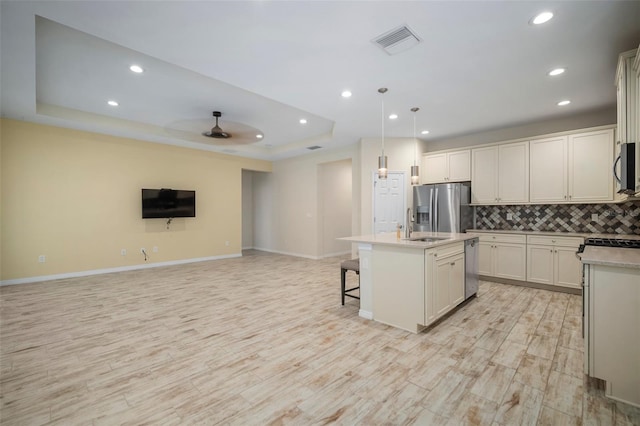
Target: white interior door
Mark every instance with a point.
(388, 202)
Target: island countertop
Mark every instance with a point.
(391, 239)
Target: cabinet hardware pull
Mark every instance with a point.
(453, 263)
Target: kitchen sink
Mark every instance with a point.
(427, 239)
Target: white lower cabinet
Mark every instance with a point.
(539, 259)
(503, 256)
(553, 261)
(444, 287)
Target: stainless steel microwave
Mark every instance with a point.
(627, 160)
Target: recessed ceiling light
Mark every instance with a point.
(346, 94)
(557, 71)
(563, 103)
(259, 136)
(393, 116)
(303, 121)
(425, 132)
(541, 18)
(136, 68)
(113, 103)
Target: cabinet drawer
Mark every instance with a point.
(503, 238)
(449, 250)
(548, 240)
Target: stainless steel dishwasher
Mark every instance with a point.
(471, 280)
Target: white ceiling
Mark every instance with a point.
(266, 64)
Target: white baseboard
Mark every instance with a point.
(286, 253)
(248, 248)
(341, 253)
(365, 314)
(111, 270)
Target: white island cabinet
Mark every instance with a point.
(612, 320)
(410, 284)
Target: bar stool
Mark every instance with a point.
(349, 265)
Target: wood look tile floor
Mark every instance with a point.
(263, 339)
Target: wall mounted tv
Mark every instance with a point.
(168, 203)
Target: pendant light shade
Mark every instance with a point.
(382, 167)
(382, 159)
(415, 169)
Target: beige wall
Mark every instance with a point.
(400, 157)
(74, 197)
(572, 122)
(335, 202)
(286, 203)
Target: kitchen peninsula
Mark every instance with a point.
(411, 283)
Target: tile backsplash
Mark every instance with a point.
(623, 218)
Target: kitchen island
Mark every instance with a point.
(411, 283)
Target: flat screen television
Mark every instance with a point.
(168, 203)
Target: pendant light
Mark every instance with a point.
(415, 169)
(382, 160)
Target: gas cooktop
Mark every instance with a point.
(612, 242)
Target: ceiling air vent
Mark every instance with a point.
(397, 40)
(313, 148)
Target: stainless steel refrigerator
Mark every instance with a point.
(442, 207)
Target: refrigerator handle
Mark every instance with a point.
(431, 217)
(435, 209)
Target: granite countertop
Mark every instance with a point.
(390, 239)
(611, 256)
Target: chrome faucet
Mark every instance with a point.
(409, 225)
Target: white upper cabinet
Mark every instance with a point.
(573, 168)
(500, 174)
(548, 169)
(447, 167)
(628, 95)
(590, 166)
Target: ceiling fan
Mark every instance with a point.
(216, 131)
(233, 134)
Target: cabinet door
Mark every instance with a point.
(459, 166)
(567, 267)
(590, 166)
(540, 264)
(456, 280)
(441, 299)
(484, 175)
(430, 278)
(513, 173)
(435, 168)
(484, 258)
(510, 261)
(548, 169)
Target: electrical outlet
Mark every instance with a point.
(123, 252)
(509, 216)
(594, 217)
(155, 249)
(42, 258)
(226, 243)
